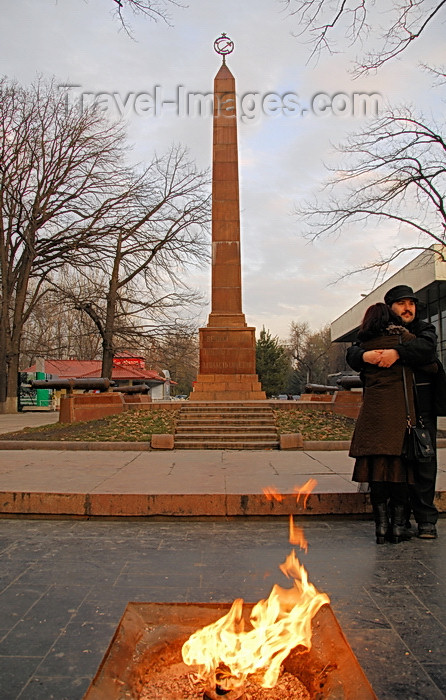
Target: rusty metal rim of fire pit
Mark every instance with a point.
(150, 635)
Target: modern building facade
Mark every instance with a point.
(426, 274)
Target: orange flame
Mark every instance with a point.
(278, 624)
(306, 489)
(226, 653)
(272, 494)
(297, 536)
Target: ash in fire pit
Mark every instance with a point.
(178, 683)
(149, 638)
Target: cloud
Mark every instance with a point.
(281, 157)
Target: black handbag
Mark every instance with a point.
(417, 445)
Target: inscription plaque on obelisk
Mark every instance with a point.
(227, 344)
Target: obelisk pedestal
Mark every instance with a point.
(227, 344)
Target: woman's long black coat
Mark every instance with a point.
(381, 424)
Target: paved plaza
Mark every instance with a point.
(10, 422)
(65, 582)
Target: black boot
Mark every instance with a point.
(381, 522)
(398, 530)
(408, 512)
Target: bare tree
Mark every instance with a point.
(61, 179)
(54, 329)
(393, 31)
(397, 174)
(143, 264)
(59, 327)
(310, 351)
(179, 353)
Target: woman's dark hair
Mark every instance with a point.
(375, 321)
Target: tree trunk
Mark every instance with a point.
(4, 342)
(10, 339)
(109, 327)
(3, 368)
(107, 358)
(10, 405)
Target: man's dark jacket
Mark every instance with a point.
(420, 351)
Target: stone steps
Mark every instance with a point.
(232, 409)
(215, 415)
(216, 419)
(233, 405)
(226, 445)
(226, 426)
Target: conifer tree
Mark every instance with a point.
(272, 363)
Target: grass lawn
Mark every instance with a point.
(138, 426)
(314, 424)
(129, 426)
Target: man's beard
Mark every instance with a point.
(407, 321)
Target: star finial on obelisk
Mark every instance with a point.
(224, 45)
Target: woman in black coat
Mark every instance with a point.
(377, 442)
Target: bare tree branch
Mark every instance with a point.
(324, 21)
(396, 173)
(155, 10)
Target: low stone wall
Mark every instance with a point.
(327, 397)
(344, 403)
(131, 400)
(320, 405)
(83, 407)
(348, 403)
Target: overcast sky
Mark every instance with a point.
(281, 154)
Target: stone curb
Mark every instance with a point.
(75, 446)
(327, 445)
(44, 503)
(309, 446)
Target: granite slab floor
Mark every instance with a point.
(64, 585)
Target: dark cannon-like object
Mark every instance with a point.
(132, 389)
(97, 384)
(319, 388)
(350, 381)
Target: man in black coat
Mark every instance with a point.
(416, 353)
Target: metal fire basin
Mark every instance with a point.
(151, 635)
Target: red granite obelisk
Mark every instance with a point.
(227, 344)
